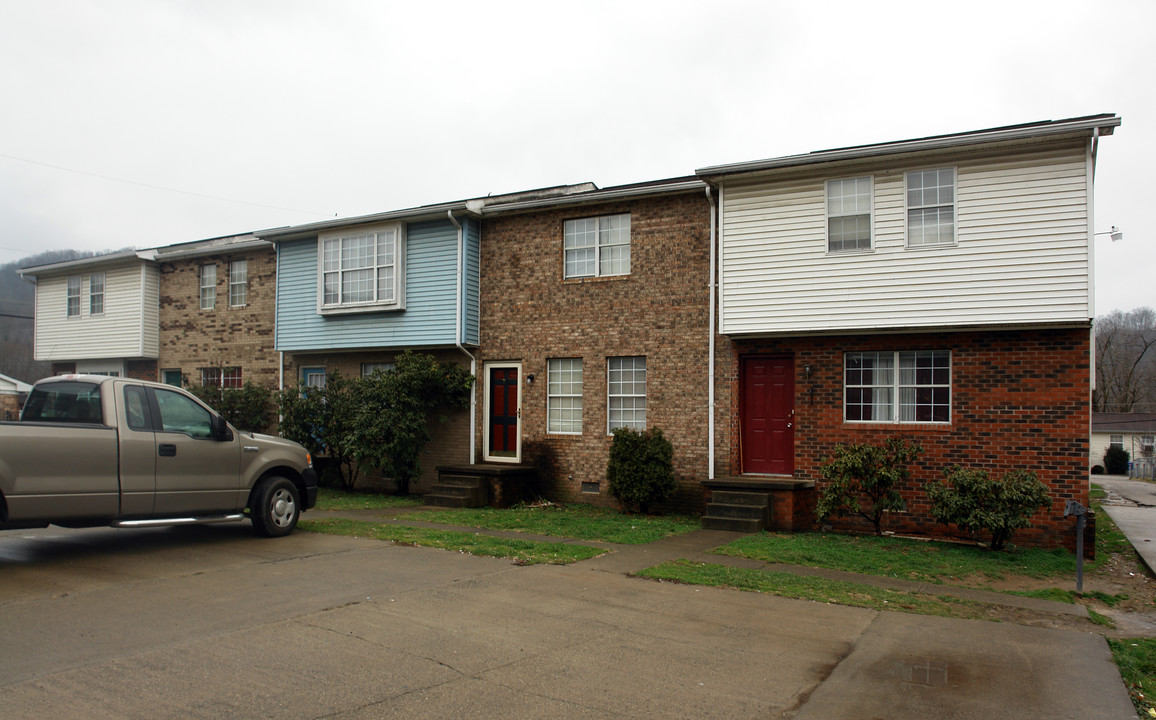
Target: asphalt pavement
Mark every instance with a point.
(213, 622)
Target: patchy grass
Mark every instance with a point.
(521, 552)
(578, 521)
(330, 499)
(1136, 659)
(816, 589)
(937, 562)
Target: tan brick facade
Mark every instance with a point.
(225, 336)
(9, 406)
(531, 314)
(449, 443)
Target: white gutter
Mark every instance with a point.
(710, 342)
(458, 331)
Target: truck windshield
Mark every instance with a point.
(64, 402)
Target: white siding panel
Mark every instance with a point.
(125, 329)
(1020, 257)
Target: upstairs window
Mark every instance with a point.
(849, 214)
(96, 294)
(73, 296)
(208, 287)
(238, 282)
(1116, 441)
(597, 246)
(363, 271)
(931, 207)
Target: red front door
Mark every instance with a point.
(503, 412)
(766, 432)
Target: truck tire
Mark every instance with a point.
(275, 507)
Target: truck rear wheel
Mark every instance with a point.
(275, 507)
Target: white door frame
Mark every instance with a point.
(486, 456)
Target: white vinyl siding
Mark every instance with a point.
(127, 327)
(1020, 256)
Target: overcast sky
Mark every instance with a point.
(145, 122)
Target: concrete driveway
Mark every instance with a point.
(213, 622)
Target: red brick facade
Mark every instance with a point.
(531, 314)
(1020, 400)
(226, 335)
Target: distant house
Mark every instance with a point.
(1133, 432)
(936, 289)
(98, 314)
(12, 395)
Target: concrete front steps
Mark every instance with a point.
(483, 485)
(738, 511)
(457, 491)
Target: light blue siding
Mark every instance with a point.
(428, 320)
(471, 299)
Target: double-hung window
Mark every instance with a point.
(906, 386)
(238, 282)
(73, 296)
(597, 246)
(849, 214)
(229, 377)
(626, 393)
(363, 270)
(931, 207)
(1116, 441)
(208, 287)
(96, 293)
(564, 396)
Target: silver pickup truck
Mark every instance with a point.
(92, 450)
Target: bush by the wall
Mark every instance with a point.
(247, 408)
(1097, 469)
(863, 479)
(974, 501)
(640, 472)
(1116, 460)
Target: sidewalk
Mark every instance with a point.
(1132, 506)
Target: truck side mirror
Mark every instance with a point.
(221, 431)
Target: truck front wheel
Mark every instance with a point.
(275, 507)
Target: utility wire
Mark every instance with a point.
(160, 187)
(21, 317)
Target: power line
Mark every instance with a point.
(21, 317)
(160, 187)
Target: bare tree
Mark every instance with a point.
(1125, 362)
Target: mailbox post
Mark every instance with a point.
(1074, 508)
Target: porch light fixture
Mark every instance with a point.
(530, 379)
(807, 372)
(1115, 233)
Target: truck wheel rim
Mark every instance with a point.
(282, 508)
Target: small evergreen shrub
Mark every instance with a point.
(1097, 469)
(863, 479)
(974, 501)
(640, 472)
(1116, 460)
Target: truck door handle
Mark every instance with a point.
(167, 450)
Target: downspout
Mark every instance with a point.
(710, 343)
(276, 323)
(458, 331)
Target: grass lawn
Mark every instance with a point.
(331, 499)
(1136, 658)
(522, 552)
(577, 521)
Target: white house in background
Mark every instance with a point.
(1134, 432)
(97, 314)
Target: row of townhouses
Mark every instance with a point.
(759, 313)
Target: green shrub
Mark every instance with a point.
(1097, 469)
(1116, 460)
(640, 472)
(973, 501)
(864, 471)
(247, 407)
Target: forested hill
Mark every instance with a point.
(16, 304)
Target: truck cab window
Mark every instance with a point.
(64, 402)
(137, 409)
(182, 415)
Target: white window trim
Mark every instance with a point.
(243, 284)
(599, 246)
(550, 398)
(399, 263)
(92, 295)
(827, 216)
(201, 287)
(486, 456)
(896, 386)
(954, 210)
(646, 395)
(69, 296)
